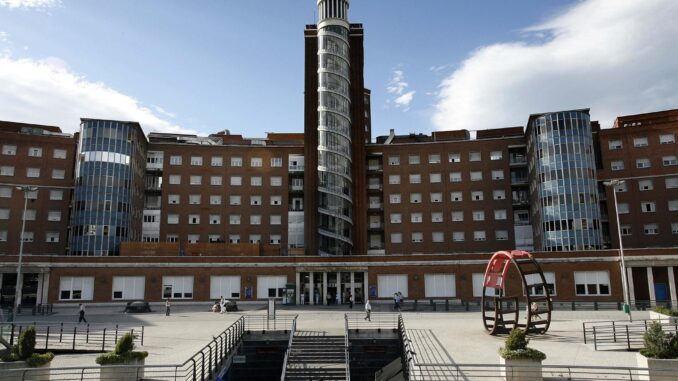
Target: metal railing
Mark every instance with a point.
(612, 334)
(263, 323)
(347, 358)
(407, 355)
(72, 336)
(289, 349)
(378, 321)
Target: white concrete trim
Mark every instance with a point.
(650, 286)
(672, 287)
(632, 289)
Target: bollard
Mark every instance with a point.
(75, 330)
(116, 333)
(61, 331)
(595, 342)
(142, 335)
(415, 304)
(447, 304)
(47, 339)
(87, 335)
(103, 341)
(628, 339)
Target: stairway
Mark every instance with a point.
(316, 358)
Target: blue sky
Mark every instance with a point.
(204, 66)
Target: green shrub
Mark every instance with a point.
(125, 344)
(659, 345)
(124, 352)
(25, 348)
(665, 311)
(37, 360)
(515, 348)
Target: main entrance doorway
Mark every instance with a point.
(332, 287)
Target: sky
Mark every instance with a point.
(206, 66)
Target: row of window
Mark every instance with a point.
(648, 229)
(439, 237)
(643, 162)
(10, 150)
(196, 199)
(454, 177)
(255, 181)
(647, 184)
(218, 161)
(435, 197)
(646, 207)
(457, 216)
(54, 194)
(638, 142)
(233, 219)
(30, 215)
(8, 170)
(50, 237)
(273, 239)
(435, 158)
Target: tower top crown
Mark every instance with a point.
(332, 9)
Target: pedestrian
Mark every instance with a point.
(350, 300)
(395, 301)
(368, 310)
(167, 307)
(81, 313)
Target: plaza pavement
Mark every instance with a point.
(438, 337)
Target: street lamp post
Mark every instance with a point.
(625, 285)
(17, 289)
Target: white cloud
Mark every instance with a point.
(616, 57)
(36, 4)
(3, 36)
(47, 92)
(397, 88)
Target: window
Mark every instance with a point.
(256, 162)
(645, 185)
(8, 149)
(415, 198)
(440, 285)
(236, 161)
(196, 160)
(622, 208)
(417, 237)
(58, 174)
(436, 197)
(438, 237)
(455, 177)
(3, 235)
(643, 163)
(396, 238)
(215, 219)
(35, 152)
(175, 179)
(276, 162)
(457, 216)
(413, 159)
(394, 160)
(172, 219)
(668, 161)
(255, 200)
(474, 156)
(59, 154)
(217, 161)
(500, 214)
(276, 219)
(56, 194)
(234, 219)
(196, 180)
(457, 236)
(614, 145)
(436, 216)
(5, 192)
(497, 174)
(477, 196)
(394, 198)
(28, 237)
(415, 178)
(478, 215)
(76, 288)
(173, 199)
(30, 214)
(498, 194)
(667, 139)
(537, 288)
(434, 178)
(4, 214)
(621, 187)
(234, 200)
(396, 218)
(650, 229)
(172, 238)
(275, 239)
(495, 155)
(177, 287)
(234, 238)
(276, 181)
(54, 215)
(194, 199)
(617, 165)
(276, 200)
(648, 207)
(673, 205)
(456, 196)
(415, 218)
(215, 180)
(255, 219)
(501, 235)
(32, 195)
(215, 200)
(476, 176)
(269, 286)
(671, 182)
(175, 160)
(32, 172)
(128, 287)
(479, 235)
(193, 219)
(6, 170)
(236, 181)
(625, 230)
(394, 179)
(640, 142)
(255, 181)
(674, 228)
(434, 158)
(454, 158)
(592, 282)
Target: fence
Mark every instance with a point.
(612, 334)
(263, 323)
(378, 321)
(407, 356)
(71, 336)
(289, 349)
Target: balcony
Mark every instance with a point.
(376, 205)
(376, 251)
(517, 160)
(520, 201)
(296, 188)
(295, 168)
(375, 187)
(293, 208)
(374, 168)
(519, 180)
(376, 226)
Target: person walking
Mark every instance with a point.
(368, 310)
(81, 314)
(167, 307)
(350, 300)
(395, 301)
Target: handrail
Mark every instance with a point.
(628, 334)
(408, 354)
(289, 348)
(347, 359)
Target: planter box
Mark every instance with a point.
(658, 369)
(40, 373)
(663, 318)
(520, 370)
(132, 371)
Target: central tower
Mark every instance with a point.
(336, 126)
